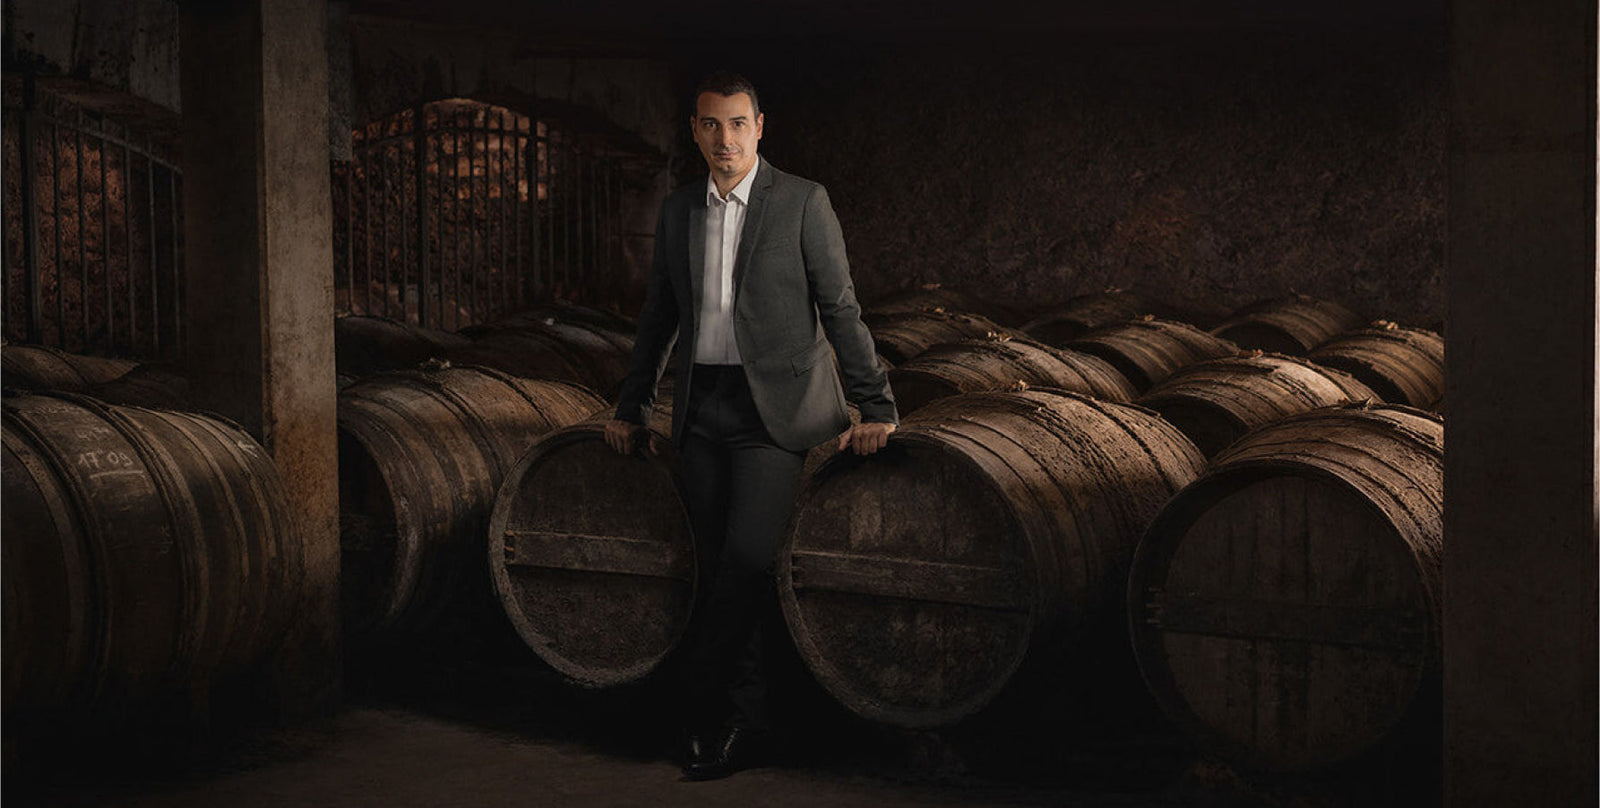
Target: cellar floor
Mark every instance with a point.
(470, 729)
(372, 756)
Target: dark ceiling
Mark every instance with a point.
(646, 25)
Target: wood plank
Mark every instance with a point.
(909, 579)
(1397, 629)
(613, 555)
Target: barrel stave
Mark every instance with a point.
(1148, 350)
(1401, 365)
(1217, 402)
(169, 537)
(596, 576)
(980, 365)
(1017, 511)
(422, 455)
(1284, 607)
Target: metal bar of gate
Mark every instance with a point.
(475, 266)
(105, 244)
(516, 211)
(155, 291)
(455, 231)
(83, 240)
(366, 231)
(127, 232)
(55, 216)
(177, 261)
(350, 227)
(420, 152)
(444, 256)
(536, 215)
(386, 241)
(405, 236)
(29, 122)
(566, 214)
(502, 303)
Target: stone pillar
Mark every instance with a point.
(259, 260)
(1520, 718)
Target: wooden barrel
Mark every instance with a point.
(1285, 607)
(1288, 325)
(1215, 403)
(899, 336)
(594, 357)
(1002, 363)
(364, 344)
(1085, 313)
(602, 591)
(145, 553)
(421, 453)
(564, 312)
(979, 548)
(1401, 365)
(44, 369)
(936, 296)
(1149, 349)
(149, 385)
(592, 557)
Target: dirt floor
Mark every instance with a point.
(396, 759)
(497, 732)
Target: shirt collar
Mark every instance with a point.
(740, 192)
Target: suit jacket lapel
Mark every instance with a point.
(697, 253)
(753, 219)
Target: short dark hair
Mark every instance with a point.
(724, 82)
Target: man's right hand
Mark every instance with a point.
(624, 435)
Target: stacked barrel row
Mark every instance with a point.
(1282, 603)
(149, 550)
(427, 435)
(576, 524)
(428, 429)
(486, 474)
(148, 554)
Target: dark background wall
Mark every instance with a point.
(1204, 155)
(1202, 165)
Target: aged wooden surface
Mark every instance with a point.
(1217, 402)
(988, 538)
(421, 453)
(544, 348)
(1002, 363)
(365, 344)
(148, 385)
(935, 296)
(1402, 365)
(564, 312)
(44, 369)
(1085, 313)
(1149, 349)
(1285, 607)
(1289, 325)
(146, 551)
(899, 336)
(591, 556)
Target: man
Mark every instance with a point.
(750, 276)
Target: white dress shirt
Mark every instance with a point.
(714, 342)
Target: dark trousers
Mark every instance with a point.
(740, 488)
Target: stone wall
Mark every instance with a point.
(1210, 167)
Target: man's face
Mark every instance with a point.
(727, 129)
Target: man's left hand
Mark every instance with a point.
(866, 437)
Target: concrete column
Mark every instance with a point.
(259, 258)
(1520, 632)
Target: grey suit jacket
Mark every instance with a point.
(792, 298)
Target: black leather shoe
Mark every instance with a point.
(738, 749)
(693, 748)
